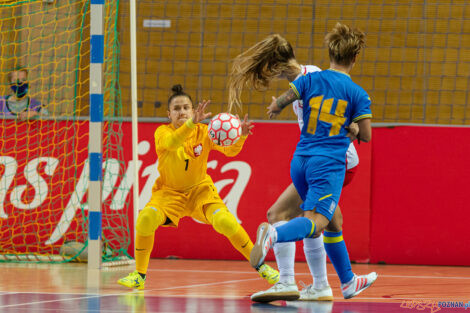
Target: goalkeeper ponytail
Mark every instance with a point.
(177, 91)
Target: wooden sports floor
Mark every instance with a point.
(192, 286)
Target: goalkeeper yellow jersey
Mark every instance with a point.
(183, 153)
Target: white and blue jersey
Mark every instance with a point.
(318, 165)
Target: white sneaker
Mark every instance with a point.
(311, 294)
(357, 285)
(265, 238)
(279, 291)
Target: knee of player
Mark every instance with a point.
(224, 222)
(318, 230)
(272, 216)
(317, 234)
(275, 215)
(148, 221)
(336, 223)
(334, 228)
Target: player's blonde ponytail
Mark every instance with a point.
(256, 67)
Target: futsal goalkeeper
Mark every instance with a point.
(184, 188)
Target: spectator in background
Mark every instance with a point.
(18, 103)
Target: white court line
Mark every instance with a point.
(207, 284)
(302, 274)
(49, 293)
(423, 277)
(204, 296)
(46, 301)
(100, 310)
(210, 284)
(399, 298)
(117, 294)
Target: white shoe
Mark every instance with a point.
(279, 291)
(357, 285)
(265, 238)
(311, 294)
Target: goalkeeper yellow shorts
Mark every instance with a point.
(178, 204)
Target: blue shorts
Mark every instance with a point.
(318, 180)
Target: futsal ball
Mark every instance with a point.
(79, 251)
(74, 249)
(225, 129)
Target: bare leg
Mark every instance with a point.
(286, 207)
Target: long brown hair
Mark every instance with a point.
(344, 43)
(261, 63)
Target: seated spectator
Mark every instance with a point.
(18, 103)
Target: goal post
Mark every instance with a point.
(95, 155)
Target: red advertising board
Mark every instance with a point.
(420, 183)
(44, 182)
(249, 184)
(39, 181)
(405, 205)
(41, 210)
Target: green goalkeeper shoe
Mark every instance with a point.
(133, 280)
(268, 273)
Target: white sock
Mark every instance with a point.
(285, 258)
(316, 258)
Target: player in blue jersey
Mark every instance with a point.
(270, 59)
(318, 165)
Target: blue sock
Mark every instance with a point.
(295, 230)
(338, 254)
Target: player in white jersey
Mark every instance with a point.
(273, 58)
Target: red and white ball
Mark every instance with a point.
(225, 129)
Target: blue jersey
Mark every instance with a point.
(334, 101)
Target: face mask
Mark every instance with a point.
(20, 89)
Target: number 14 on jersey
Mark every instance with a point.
(320, 111)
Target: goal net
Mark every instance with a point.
(44, 172)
